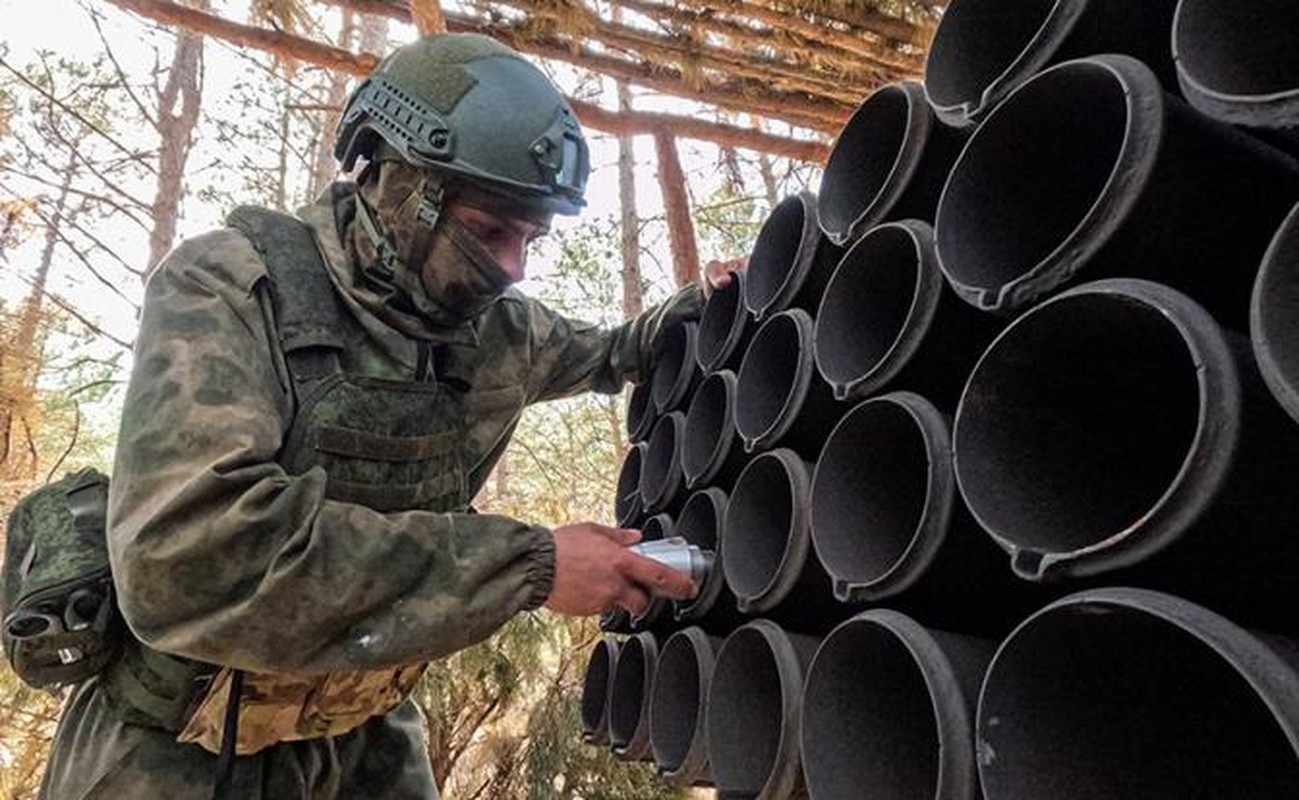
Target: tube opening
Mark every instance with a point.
(675, 703)
(662, 465)
(768, 377)
(628, 696)
(867, 305)
(864, 159)
(870, 492)
(1240, 49)
(775, 253)
(707, 421)
(674, 359)
(721, 323)
(976, 43)
(627, 505)
(1044, 158)
(1077, 422)
(640, 411)
(595, 688)
(869, 727)
(745, 715)
(697, 523)
(758, 521)
(1100, 700)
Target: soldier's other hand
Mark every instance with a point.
(595, 572)
(717, 274)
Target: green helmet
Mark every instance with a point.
(465, 104)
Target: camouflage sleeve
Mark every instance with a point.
(571, 357)
(221, 556)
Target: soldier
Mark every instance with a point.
(314, 402)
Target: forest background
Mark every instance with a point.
(119, 138)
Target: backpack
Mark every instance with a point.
(61, 624)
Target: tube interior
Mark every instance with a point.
(674, 703)
(758, 520)
(1077, 422)
(628, 695)
(867, 305)
(1030, 175)
(872, 483)
(698, 522)
(627, 504)
(1239, 48)
(672, 359)
(869, 728)
(653, 529)
(718, 321)
(660, 461)
(1106, 701)
(767, 377)
(595, 688)
(976, 42)
(863, 159)
(705, 424)
(774, 253)
(745, 715)
(639, 406)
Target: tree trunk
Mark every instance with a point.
(633, 301)
(324, 168)
(21, 358)
(676, 204)
(178, 108)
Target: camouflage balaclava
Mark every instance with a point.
(441, 272)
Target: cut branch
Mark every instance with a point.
(676, 205)
(282, 44)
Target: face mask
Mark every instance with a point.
(444, 274)
(459, 275)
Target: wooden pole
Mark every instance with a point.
(676, 204)
(427, 16)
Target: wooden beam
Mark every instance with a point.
(676, 205)
(861, 51)
(277, 42)
(846, 87)
(648, 122)
(329, 57)
(428, 17)
(796, 108)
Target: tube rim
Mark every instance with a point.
(1274, 681)
(1145, 130)
(1033, 57)
(935, 518)
(804, 256)
(952, 718)
(797, 543)
(1198, 481)
(925, 298)
(725, 438)
(783, 778)
(804, 370)
(740, 320)
(1283, 388)
(694, 766)
(919, 125)
(697, 607)
(1276, 110)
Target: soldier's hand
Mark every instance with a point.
(717, 274)
(595, 572)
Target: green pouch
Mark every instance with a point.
(56, 594)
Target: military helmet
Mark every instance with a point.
(474, 108)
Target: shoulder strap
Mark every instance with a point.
(305, 310)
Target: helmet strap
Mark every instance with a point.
(389, 260)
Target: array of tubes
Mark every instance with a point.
(996, 442)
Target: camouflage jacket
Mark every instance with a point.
(219, 555)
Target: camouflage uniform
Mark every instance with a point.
(222, 556)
